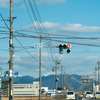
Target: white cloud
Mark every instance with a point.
(95, 41)
(15, 1)
(21, 6)
(72, 28)
(50, 1)
(42, 69)
(47, 25)
(79, 28)
(26, 65)
(49, 74)
(4, 3)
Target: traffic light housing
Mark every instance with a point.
(64, 46)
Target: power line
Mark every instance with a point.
(31, 55)
(4, 37)
(4, 21)
(85, 44)
(68, 16)
(30, 16)
(38, 19)
(23, 46)
(61, 36)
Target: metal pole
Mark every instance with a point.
(93, 84)
(62, 78)
(95, 76)
(56, 77)
(11, 53)
(40, 73)
(98, 76)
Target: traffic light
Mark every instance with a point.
(64, 46)
(0, 71)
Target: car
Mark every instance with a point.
(70, 95)
(97, 95)
(89, 94)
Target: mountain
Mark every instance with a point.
(49, 81)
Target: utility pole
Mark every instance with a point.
(40, 73)
(95, 76)
(57, 62)
(65, 81)
(62, 77)
(99, 75)
(90, 81)
(56, 77)
(11, 53)
(93, 83)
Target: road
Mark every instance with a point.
(77, 97)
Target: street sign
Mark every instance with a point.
(16, 73)
(10, 73)
(85, 78)
(0, 71)
(38, 45)
(64, 88)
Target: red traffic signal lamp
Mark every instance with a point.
(68, 46)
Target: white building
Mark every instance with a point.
(26, 89)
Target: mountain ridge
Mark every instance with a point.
(69, 80)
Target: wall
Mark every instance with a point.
(28, 98)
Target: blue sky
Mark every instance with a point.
(61, 19)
